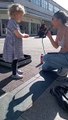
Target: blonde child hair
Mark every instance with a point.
(15, 8)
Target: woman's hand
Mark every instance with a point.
(49, 35)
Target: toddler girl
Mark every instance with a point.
(12, 51)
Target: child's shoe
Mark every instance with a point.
(17, 76)
(19, 72)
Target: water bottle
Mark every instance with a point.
(41, 58)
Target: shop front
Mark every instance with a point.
(3, 22)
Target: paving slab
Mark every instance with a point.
(32, 46)
(20, 95)
(45, 107)
(14, 103)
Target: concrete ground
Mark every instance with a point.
(46, 106)
(29, 98)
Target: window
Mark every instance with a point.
(37, 2)
(4, 26)
(44, 4)
(41, 3)
(56, 9)
(50, 7)
(24, 26)
(33, 28)
(32, 0)
(6, 0)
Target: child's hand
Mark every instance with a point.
(25, 35)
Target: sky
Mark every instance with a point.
(63, 3)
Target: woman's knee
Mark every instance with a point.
(44, 67)
(46, 57)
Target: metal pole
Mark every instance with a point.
(43, 46)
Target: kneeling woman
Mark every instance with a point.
(58, 60)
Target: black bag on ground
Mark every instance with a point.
(61, 95)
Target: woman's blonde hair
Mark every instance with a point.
(14, 8)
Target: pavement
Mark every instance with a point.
(30, 98)
(33, 47)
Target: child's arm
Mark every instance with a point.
(18, 34)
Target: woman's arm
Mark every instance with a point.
(53, 42)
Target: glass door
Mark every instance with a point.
(4, 27)
(0, 27)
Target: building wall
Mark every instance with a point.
(37, 12)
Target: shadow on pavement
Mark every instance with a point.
(35, 90)
(49, 75)
(5, 81)
(4, 69)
